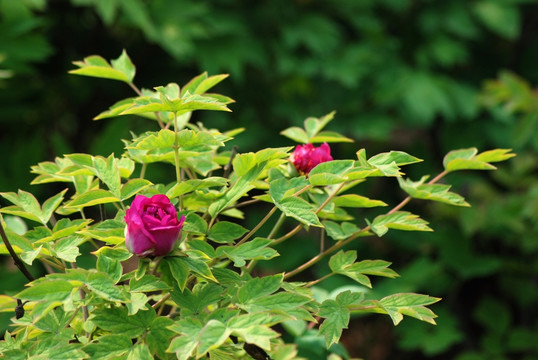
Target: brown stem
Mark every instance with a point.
(14, 255)
(257, 227)
(300, 226)
(228, 166)
(352, 237)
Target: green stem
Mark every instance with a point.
(277, 226)
(143, 170)
(176, 150)
(56, 265)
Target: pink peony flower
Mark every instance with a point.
(306, 157)
(152, 226)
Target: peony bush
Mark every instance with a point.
(175, 272)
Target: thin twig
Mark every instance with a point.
(162, 301)
(14, 255)
(228, 166)
(157, 115)
(257, 227)
(300, 226)
(352, 237)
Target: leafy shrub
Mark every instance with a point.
(208, 298)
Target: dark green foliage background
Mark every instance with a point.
(401, 74)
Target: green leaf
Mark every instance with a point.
(201, 248)
(19, 243)
(337, 314)
(116, 320)
(67, 248)
(17, 211)
(225, 232)
(258, 335)
(124, 65)
(469, 159)
(500, 17)
(66, 227)
(201, 83)
(133, 187)
(183, 346)
(96, 66)
(178, 269)
(329, 137)
(213, 334)
(344, 263)
(353, 200)
(300, 210)
(117, 253)
(400, 220)
(259, 287)
(145, 104)
(330, 172)
(15, 224)
(281, 188)
(409, 304)
(51, 290)
(201, 296)
(199, 267)
(104, 286)
(314, 125)
(237, 190)
(337, 318)
(400, 158)
(108, 173)
(296, 134)
(159, 336)
(108, 346)
(110, 231)
(7, 303)
(137, 302)
(26, 202)
(255, 249)
(111, 267)
(29, 256)
(496, 155)
(116, 109)
(58, 349)
(191, 185)
(340, 231)
(91, 198)
(197, 337)
(242, 163)
(281, 301)
(139, 352)
(194, 223)
(434, 192)
(169, 92)
(50, 205)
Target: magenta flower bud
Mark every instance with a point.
(306, 157)
(152, 226)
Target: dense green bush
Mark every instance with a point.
(400, 74)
